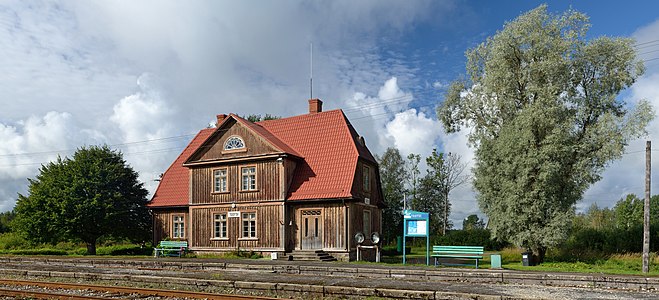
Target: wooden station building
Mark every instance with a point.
(306, 182)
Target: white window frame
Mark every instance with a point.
(217, 180)
(220, 226)
(248, 222)
(234, 143)
(248, 179)
(178, 226)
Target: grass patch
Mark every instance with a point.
(43, 251)
(233, 254)
(123, 250)
(621, 264)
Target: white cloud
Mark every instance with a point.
(414, 132)
(34, 141)
(80, 59)
(146, 116)
(439, 85)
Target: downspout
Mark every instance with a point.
(347, 227)
(283, 237)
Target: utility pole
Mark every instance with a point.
(646, 211)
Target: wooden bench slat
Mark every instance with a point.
(459, 252)
(171, 248)
(456, 256)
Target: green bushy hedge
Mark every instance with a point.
(42, 251)
(473, 237)
(124, 250)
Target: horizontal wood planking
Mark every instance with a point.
(269, 220)
(267, 183)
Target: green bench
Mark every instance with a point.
(457, 252)
(170, 248)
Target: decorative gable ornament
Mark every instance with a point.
(234, 143)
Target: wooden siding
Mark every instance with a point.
(357, 220)
(254, 144)
(267, 183)
(269, 222)
(289, 168)
(162, 223)
(334, 229)
(358, 184)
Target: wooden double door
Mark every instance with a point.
(312, 229)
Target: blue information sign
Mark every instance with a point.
(416, 224)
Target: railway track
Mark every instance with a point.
(114, 290)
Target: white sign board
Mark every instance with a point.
(234, 214)
(416, 227)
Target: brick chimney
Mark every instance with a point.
(220, 118)
(315, 106)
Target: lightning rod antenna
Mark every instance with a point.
(310, 70)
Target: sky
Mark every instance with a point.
(145, 76)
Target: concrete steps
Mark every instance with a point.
(308, 255)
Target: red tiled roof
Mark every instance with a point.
(330, 153)
(175, 182)
(326, 142)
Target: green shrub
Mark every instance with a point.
(393, 250)
(473, 237)
(42, 251)
(71, 246)
(78, 251)
(129, 249)
(12, 241)
(511, 255)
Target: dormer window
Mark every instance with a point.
(234, 143)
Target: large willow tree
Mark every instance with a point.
(541, 103)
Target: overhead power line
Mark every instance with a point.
(645, 43)
(111, 145)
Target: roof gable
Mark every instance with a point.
(256, 140)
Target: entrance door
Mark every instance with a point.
(312, 229)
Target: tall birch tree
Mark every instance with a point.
(541, 101)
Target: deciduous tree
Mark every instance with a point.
(393, 176)
(541, 103)
(472, 222)
(93, 195)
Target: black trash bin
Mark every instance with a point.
(527, 259)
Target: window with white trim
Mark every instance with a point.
(178, 226)
(220, 181)
(234, 143)
(220, 226)
(248, 178)
(249, 225)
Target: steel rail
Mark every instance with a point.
(130, 290)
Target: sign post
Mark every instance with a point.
(416, 224)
